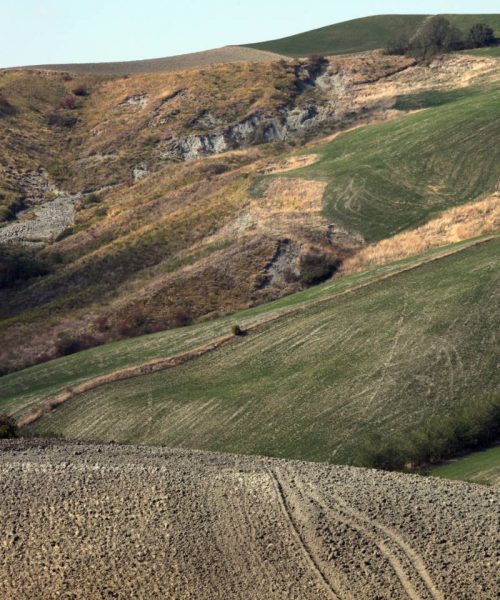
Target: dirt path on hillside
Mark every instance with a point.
(107, 521)
(173, 361)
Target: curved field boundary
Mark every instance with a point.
(121, 375)
(180, 359)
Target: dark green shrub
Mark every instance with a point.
(435, 36)
(236, 330)
(8, 426)
(60, 171)
(67, 344)
(382, 453)
(18, 264)
(81, 91)
(472, 427)
(481, 35)
(316, 268)
(398, 46)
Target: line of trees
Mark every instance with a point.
(470, 428)
(436, 35)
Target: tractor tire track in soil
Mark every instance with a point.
(93, 520)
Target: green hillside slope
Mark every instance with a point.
(395, 175)
(478, 467)
(363, 34)
(313, 384)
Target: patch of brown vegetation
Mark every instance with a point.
(454, 225)
(290, 164)
(164, 243)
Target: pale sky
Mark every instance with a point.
(63, 31)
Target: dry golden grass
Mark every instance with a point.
(290, 164)
(454, 225)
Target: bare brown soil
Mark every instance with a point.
(107, 521)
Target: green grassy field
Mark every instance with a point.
(363, 34)
(495, 52)
(313, 384)
(21, 391)
(478, 467)
(396, 175)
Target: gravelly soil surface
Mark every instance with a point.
(40, 223)
(107, 521)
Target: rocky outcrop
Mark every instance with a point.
(258, 128)
(41, 223)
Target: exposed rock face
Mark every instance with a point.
(43, 222)
(139, 100)
(140, 171)
(255, 129)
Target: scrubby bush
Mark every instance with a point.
(8, 426)
(398, 46)
(62, 120)
(18, 264)
(81, 91)
(436, 35)
(68, 103)
(181, 318)
(316, 268)
(11, 203)
(60, 171)
(6, 108)
(67, 344)
(481, 35)
(236, 330)
(388, 454)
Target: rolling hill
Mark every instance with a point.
(305, 382)
(175, 196)
(388, 177)
(361, 35)
(194, 60)
(216, 265)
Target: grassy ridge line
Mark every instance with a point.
(180, 359)
(359, 35)
(182, 62)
